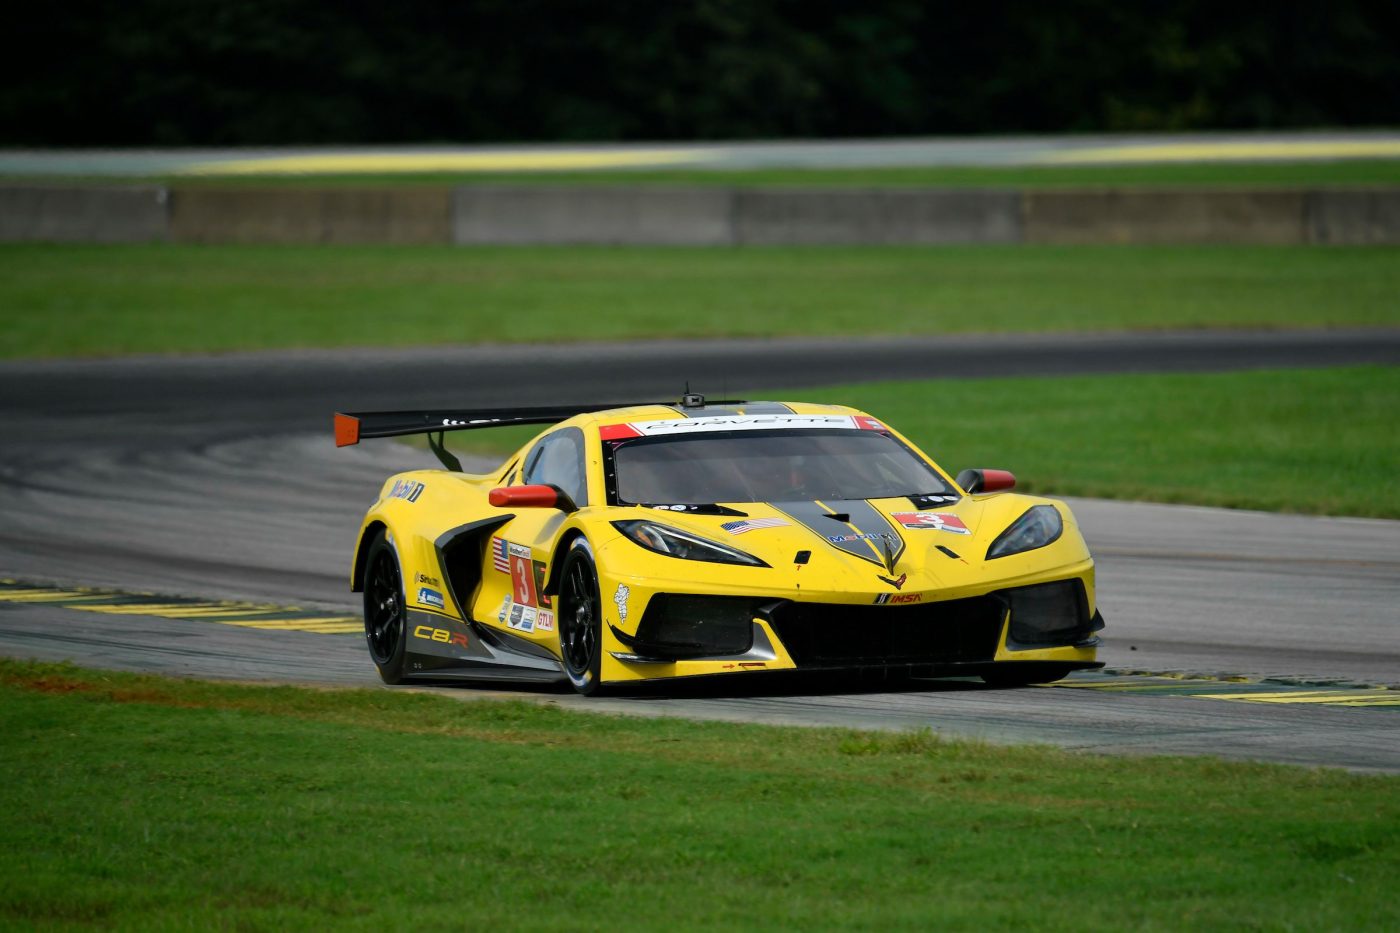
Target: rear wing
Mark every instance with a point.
(352, 427)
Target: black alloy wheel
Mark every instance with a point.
(581, 620)
(386, 613)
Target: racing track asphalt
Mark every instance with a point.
(216, 477)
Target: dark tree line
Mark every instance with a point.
(195, 72)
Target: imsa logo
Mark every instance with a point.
(890, 599)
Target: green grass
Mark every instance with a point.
(69, 300)
(132, 802)
(1211, 174)
(1311, 441)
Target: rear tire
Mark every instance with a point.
(581, 619)
(1024, 674)
(386, 610)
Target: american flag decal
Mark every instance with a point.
(499, 559)
(750, 524)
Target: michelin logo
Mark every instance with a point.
(427, 597)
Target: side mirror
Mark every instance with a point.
(977, 481)
(531, 497)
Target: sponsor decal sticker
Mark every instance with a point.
(924, 502)
(620, 597)
(752, 524)
(698, 508)
(522, 578)
(877, 536)
(458, 423)
(941, 521)
(431, 581)
(406, 489)
(544, 622)
(505, 611)
(733, 423)
(540, 595)
(440, 635)
(522, 618)
(429, 597)
(896, 598)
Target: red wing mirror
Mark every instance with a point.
(979, 481)
(529, 497)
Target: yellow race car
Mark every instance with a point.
(655, 541)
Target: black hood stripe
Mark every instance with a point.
(866, 527)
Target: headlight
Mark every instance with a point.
(1041, 525)
(676, 543)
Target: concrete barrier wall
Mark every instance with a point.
(83, 215)
(311, 215)
(585, 214)
(1353, 217)
(1163, 216)
(877, 215)
(701, 216)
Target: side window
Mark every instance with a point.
(558, 461)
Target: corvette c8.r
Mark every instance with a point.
(654, 541)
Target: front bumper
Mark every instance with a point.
(690, 634)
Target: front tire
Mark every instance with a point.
(386, 610)
(581, 619)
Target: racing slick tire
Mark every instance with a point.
(1024, 674)
(386, 610)
(580, 619)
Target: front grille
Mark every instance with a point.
(677, 626)
(948, 632)
(1049, 614)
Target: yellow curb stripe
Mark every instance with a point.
(11, 597)
(130, 609)
(1175, 688)
(333, 628)
(506, 161)
(329, 620)
(178, 611)
(246, 615)
(1237, 151)
(1301, 697)
(214, 613)
(296, 625)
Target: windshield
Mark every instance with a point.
(770, 466)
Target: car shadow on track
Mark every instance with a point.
(754, 685)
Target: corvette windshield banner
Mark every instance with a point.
(740, 423)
